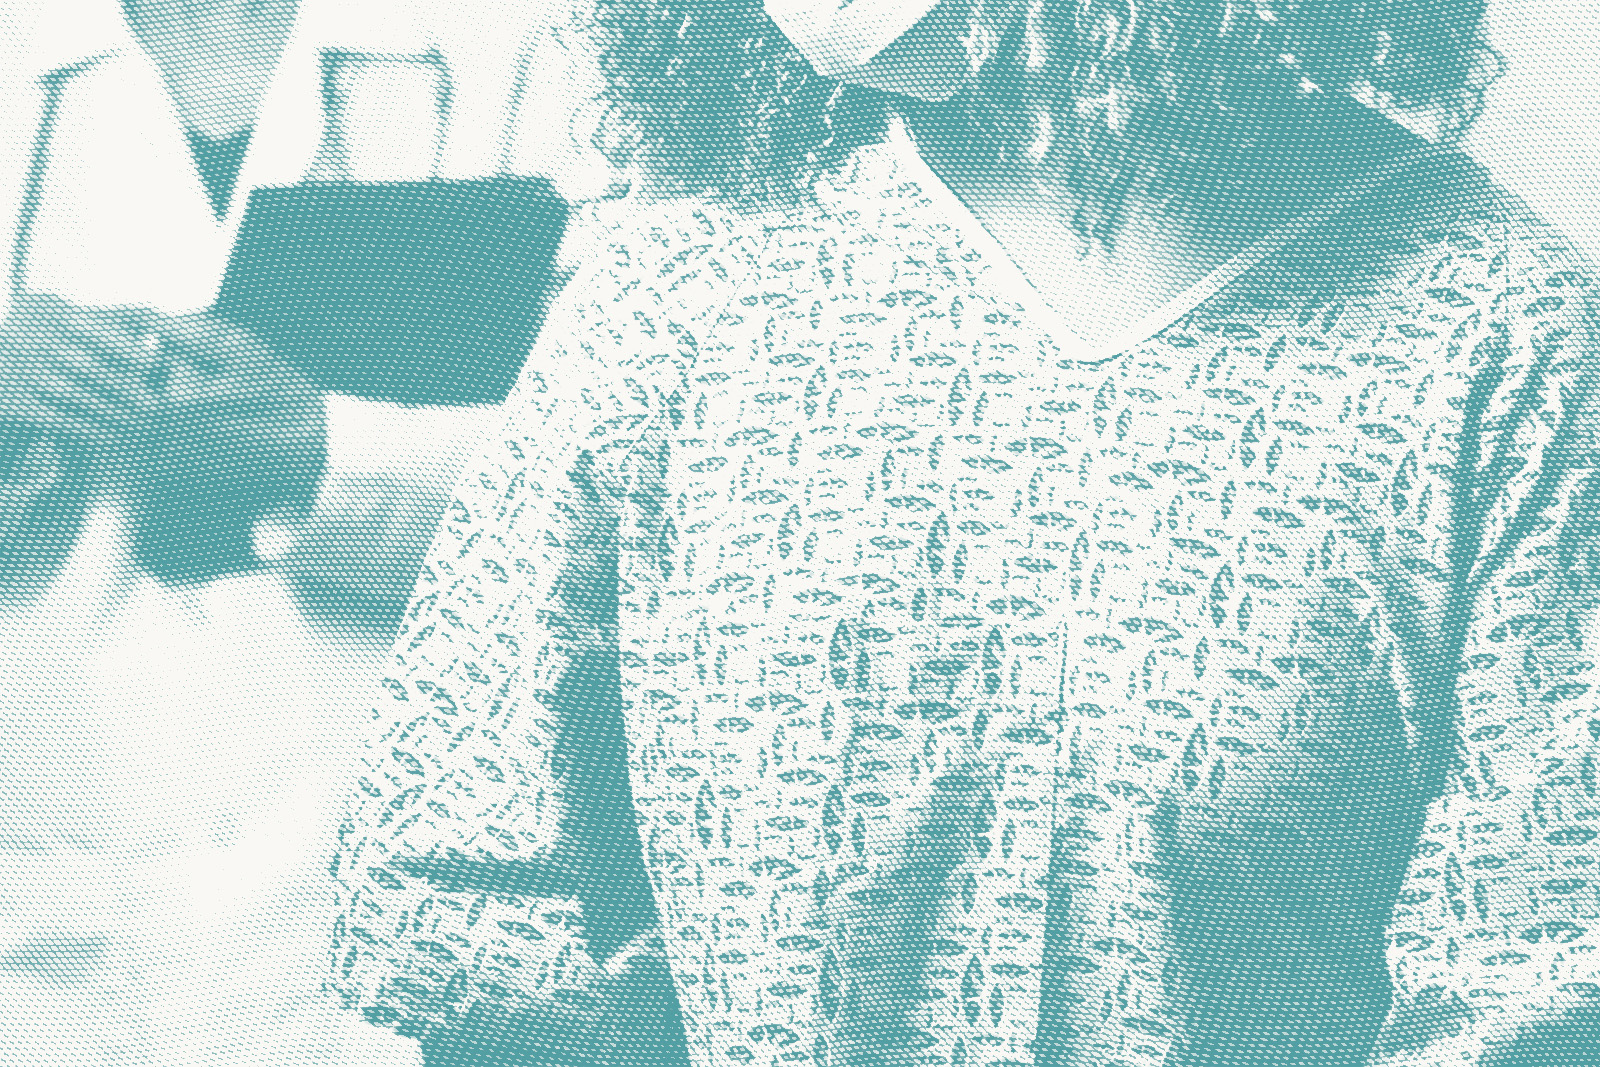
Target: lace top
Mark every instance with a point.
(986, 704)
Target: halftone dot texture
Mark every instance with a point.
(971, 703)
(989, 706)
(181, 718)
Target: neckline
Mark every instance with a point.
(227, 220)
(975, 234)
(219, 162)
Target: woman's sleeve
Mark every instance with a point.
(461, 793)
(461, 863)
(1498, 925)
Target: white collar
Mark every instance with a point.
(910, 164)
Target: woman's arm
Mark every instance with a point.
(1492, 944)
(471, 858)
(635, 1022)
(462, 791)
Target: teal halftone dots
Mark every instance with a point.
(426, 292)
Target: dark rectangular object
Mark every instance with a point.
(425, 292)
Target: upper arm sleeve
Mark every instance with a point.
(455, 884)
(460, 782)
(1496, 925)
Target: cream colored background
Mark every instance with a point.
(1540, 132)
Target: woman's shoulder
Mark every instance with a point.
(679, 254)
(1449, 197)
(653, 279)
(698, 254)
(1450, 237)
(1440, 239)
(1443, 216)
(1444, 252)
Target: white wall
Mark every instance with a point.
(1540, 132)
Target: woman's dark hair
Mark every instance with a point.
(1163, 98)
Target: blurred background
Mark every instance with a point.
(177, 751)
(181, 726)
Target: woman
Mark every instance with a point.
(1101, 566)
